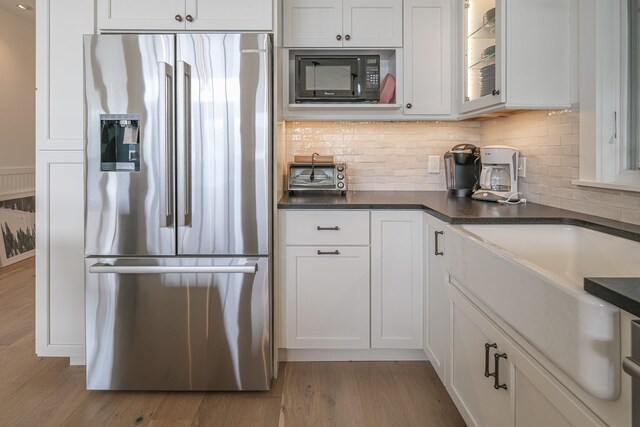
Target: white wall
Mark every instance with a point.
(17, 91)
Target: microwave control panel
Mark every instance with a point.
(372, 72)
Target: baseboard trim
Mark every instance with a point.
(360, 355)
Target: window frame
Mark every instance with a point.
(603, 96)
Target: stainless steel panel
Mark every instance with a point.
(178, 331)
(130, 213)
(224, 144)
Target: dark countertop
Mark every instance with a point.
(619, 291)
(459, 210)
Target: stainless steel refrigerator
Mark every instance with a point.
(178, 211)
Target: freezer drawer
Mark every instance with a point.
(178, 324)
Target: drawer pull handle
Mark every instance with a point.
(336, 228)
(487, 348)
(336, 252)
(496, 371)
(437, 246)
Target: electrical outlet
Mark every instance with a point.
(434, 164)
(522, 167)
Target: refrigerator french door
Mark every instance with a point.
(178, 211)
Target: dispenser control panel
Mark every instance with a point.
(119, 142)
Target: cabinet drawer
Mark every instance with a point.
(327, 227)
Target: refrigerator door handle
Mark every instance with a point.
(184, 131)
(159, 269)
(166, 88)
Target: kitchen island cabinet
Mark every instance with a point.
(189, 15)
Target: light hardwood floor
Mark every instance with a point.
(48, 392)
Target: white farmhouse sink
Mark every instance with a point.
(531, 276)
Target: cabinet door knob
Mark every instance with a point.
(336, 228)
(347, 37)
(495, 92)
(189, 18)
(409, 105)
(179, 18)
(338, 37)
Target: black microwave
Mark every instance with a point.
(337, 78)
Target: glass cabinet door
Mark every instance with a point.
(481, 26)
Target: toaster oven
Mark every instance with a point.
(317, 177)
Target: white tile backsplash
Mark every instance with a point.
(550, 142)
(394, 156)
(383, 155)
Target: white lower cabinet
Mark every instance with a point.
(60, 255)
(354, 280)
(435, 296)
(327, 297)
(397, 269)
(493, 382)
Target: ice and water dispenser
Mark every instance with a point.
(120, 142)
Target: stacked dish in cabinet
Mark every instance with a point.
(480, 48)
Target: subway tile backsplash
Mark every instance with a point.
(394, 156)
(383, 155)
(550, 142)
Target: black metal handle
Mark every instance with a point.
(179, 18)
(409, 105)
(336, 252)
(189, 18)
(338, 37)
(496, 371)
(336, 228)
(495, 92)
(435, 236)
(347, 37)
(487, 348)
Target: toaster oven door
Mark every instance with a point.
(306, 177)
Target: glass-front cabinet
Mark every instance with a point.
(483, 50)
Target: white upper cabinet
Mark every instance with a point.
(225, 15)
(312, 23)
(516, 54)
(427, 57)
(214, 15)
(342, 23)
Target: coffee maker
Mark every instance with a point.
(499, 175)
(462, 169)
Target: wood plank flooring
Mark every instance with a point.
(48, 392)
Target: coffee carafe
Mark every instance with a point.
(499, 175)
(462, 169)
